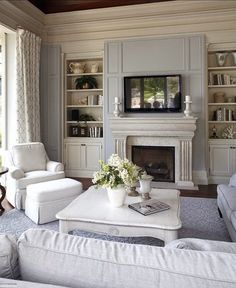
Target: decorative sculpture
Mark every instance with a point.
(228, 133)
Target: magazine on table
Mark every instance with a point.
(149, 206)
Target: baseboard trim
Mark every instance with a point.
(218, 179)
(167, 185)
(200, 177)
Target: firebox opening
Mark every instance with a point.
(158, 161)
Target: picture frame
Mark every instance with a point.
(74, 131)
(83, 131)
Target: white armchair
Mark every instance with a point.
(28, 163)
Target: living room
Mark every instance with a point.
(81, 125)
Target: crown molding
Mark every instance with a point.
(22, 13)
(145, 19)
(161, 9)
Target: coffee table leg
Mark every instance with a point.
(3, 194)
(63, 226)
(170, 235)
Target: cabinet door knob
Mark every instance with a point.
(83, 144)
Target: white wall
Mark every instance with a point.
(86, 31)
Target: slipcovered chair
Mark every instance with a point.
(28, 163)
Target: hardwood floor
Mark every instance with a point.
(205, 191)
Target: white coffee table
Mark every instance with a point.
(91, 211)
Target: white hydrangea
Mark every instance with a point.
(114, 160)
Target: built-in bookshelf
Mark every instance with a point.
(221, 93)
(83, 129)
(84, 98)
(221, 114)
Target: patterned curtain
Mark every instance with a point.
(27, 79)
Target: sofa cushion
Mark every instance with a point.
(9, 283)
(50, 257)
(8, 257)
(227, 196)
(29, 157)
(202, 245)
(37, 177)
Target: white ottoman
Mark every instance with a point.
(45, 199)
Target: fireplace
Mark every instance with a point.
(163, 131)
(158, 161)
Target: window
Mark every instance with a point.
(2, 94)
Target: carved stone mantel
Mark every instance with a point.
(176, 132)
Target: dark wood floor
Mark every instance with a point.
(205, 191)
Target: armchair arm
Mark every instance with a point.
(54, 166)
(9, 266)
(232, 180)
(203, 245)
(16, 173)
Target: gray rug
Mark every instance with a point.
(199, 217)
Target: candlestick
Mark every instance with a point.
(116, 111)
(188, 102)
(187, 98)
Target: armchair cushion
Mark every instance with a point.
(8, 257)
(16, 173)
(55, 166)
(29, 157)
(37, 177)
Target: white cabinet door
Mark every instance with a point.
(93, 155)
(220, 160)
(73, 156)
(82, 158)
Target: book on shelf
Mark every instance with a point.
(95, 132)
(92, 100)
(95, 100)
(149, 207)
(220, 79)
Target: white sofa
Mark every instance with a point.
(43, 256)
(28, 163)
(226, 201)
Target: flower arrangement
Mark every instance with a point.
(117, 172)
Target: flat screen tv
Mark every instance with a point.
(152, 93)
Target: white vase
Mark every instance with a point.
(117, 195)
(221, 57)
(234, 56)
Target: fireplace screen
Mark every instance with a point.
(158, 161)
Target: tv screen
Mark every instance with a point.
(152, 93)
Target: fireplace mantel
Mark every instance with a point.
(164, 131)
(171, 127)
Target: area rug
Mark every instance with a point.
(200, 219)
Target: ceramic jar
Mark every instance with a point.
(77, 67)
(221, 58)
